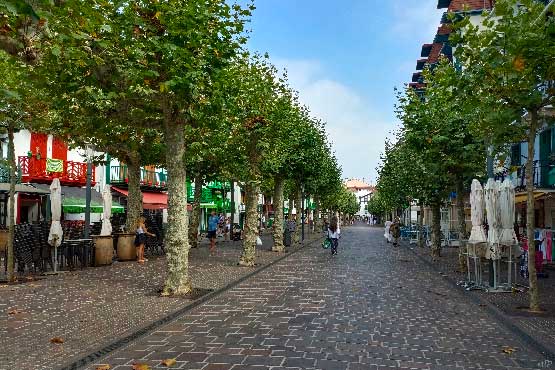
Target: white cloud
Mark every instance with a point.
(416, 19)
(415, 22)
(354, 127)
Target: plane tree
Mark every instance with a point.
(167, 54)
(510, 60)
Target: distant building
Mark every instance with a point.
(363, 191)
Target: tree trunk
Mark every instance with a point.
(462, 224)
(316, 219)
(266, 209)
(298, 220)
(421, 225)
(278, 215)
(530, 217)
(177, 244)
(135, 197)
(232, 209)
(11, 211)
(291, 204)
(248, 257)
(436, 230)
(195, 213)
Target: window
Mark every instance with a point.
(515, 155)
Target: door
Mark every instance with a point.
(38, 146)
(59, 149)
(545, 151)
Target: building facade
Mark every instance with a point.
(41, 158)
(363, 191)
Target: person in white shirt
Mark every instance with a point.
(333, 234)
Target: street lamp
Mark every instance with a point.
(89, 153)
(302, 211)
(489, 162)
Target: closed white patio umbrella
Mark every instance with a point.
(106, 212)
(507, 211)
(56, 233)
(478, 239)
(494, 219)
(477, 234)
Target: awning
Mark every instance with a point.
(77, 205)
(522, 197)
(21, 188)
(151, 200)
(74, 192)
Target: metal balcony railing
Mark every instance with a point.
(35, 170)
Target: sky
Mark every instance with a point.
(345, 57)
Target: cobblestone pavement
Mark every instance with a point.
(90, 308)
(370, 307)
(541, 327)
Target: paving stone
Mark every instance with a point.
(361, 309)
(217, 367)
(225, 359)
(331, 365)
(303, 363)
(263, 360)
(93, 307)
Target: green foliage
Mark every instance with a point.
(376, 205)
(436, 146)
(511, 58)
(509, 61)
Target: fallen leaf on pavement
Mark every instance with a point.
(57, 340)
(169, 362)
(103, 367)
(508, 350)
(141, 367)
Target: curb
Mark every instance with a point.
(495, 312)
(127, 339)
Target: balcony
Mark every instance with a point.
(543, 178)
(5, 174)
(70, 173)
(152, 179)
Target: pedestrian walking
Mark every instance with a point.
(213, 222)
(140, 239)
(227, 229)
(333, 234)
(221, 221)
(395, 231)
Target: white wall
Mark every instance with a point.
(4, 152)
(362, 211)
(22, 142)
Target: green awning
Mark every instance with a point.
(77, 205)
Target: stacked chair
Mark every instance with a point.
(154, 246)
